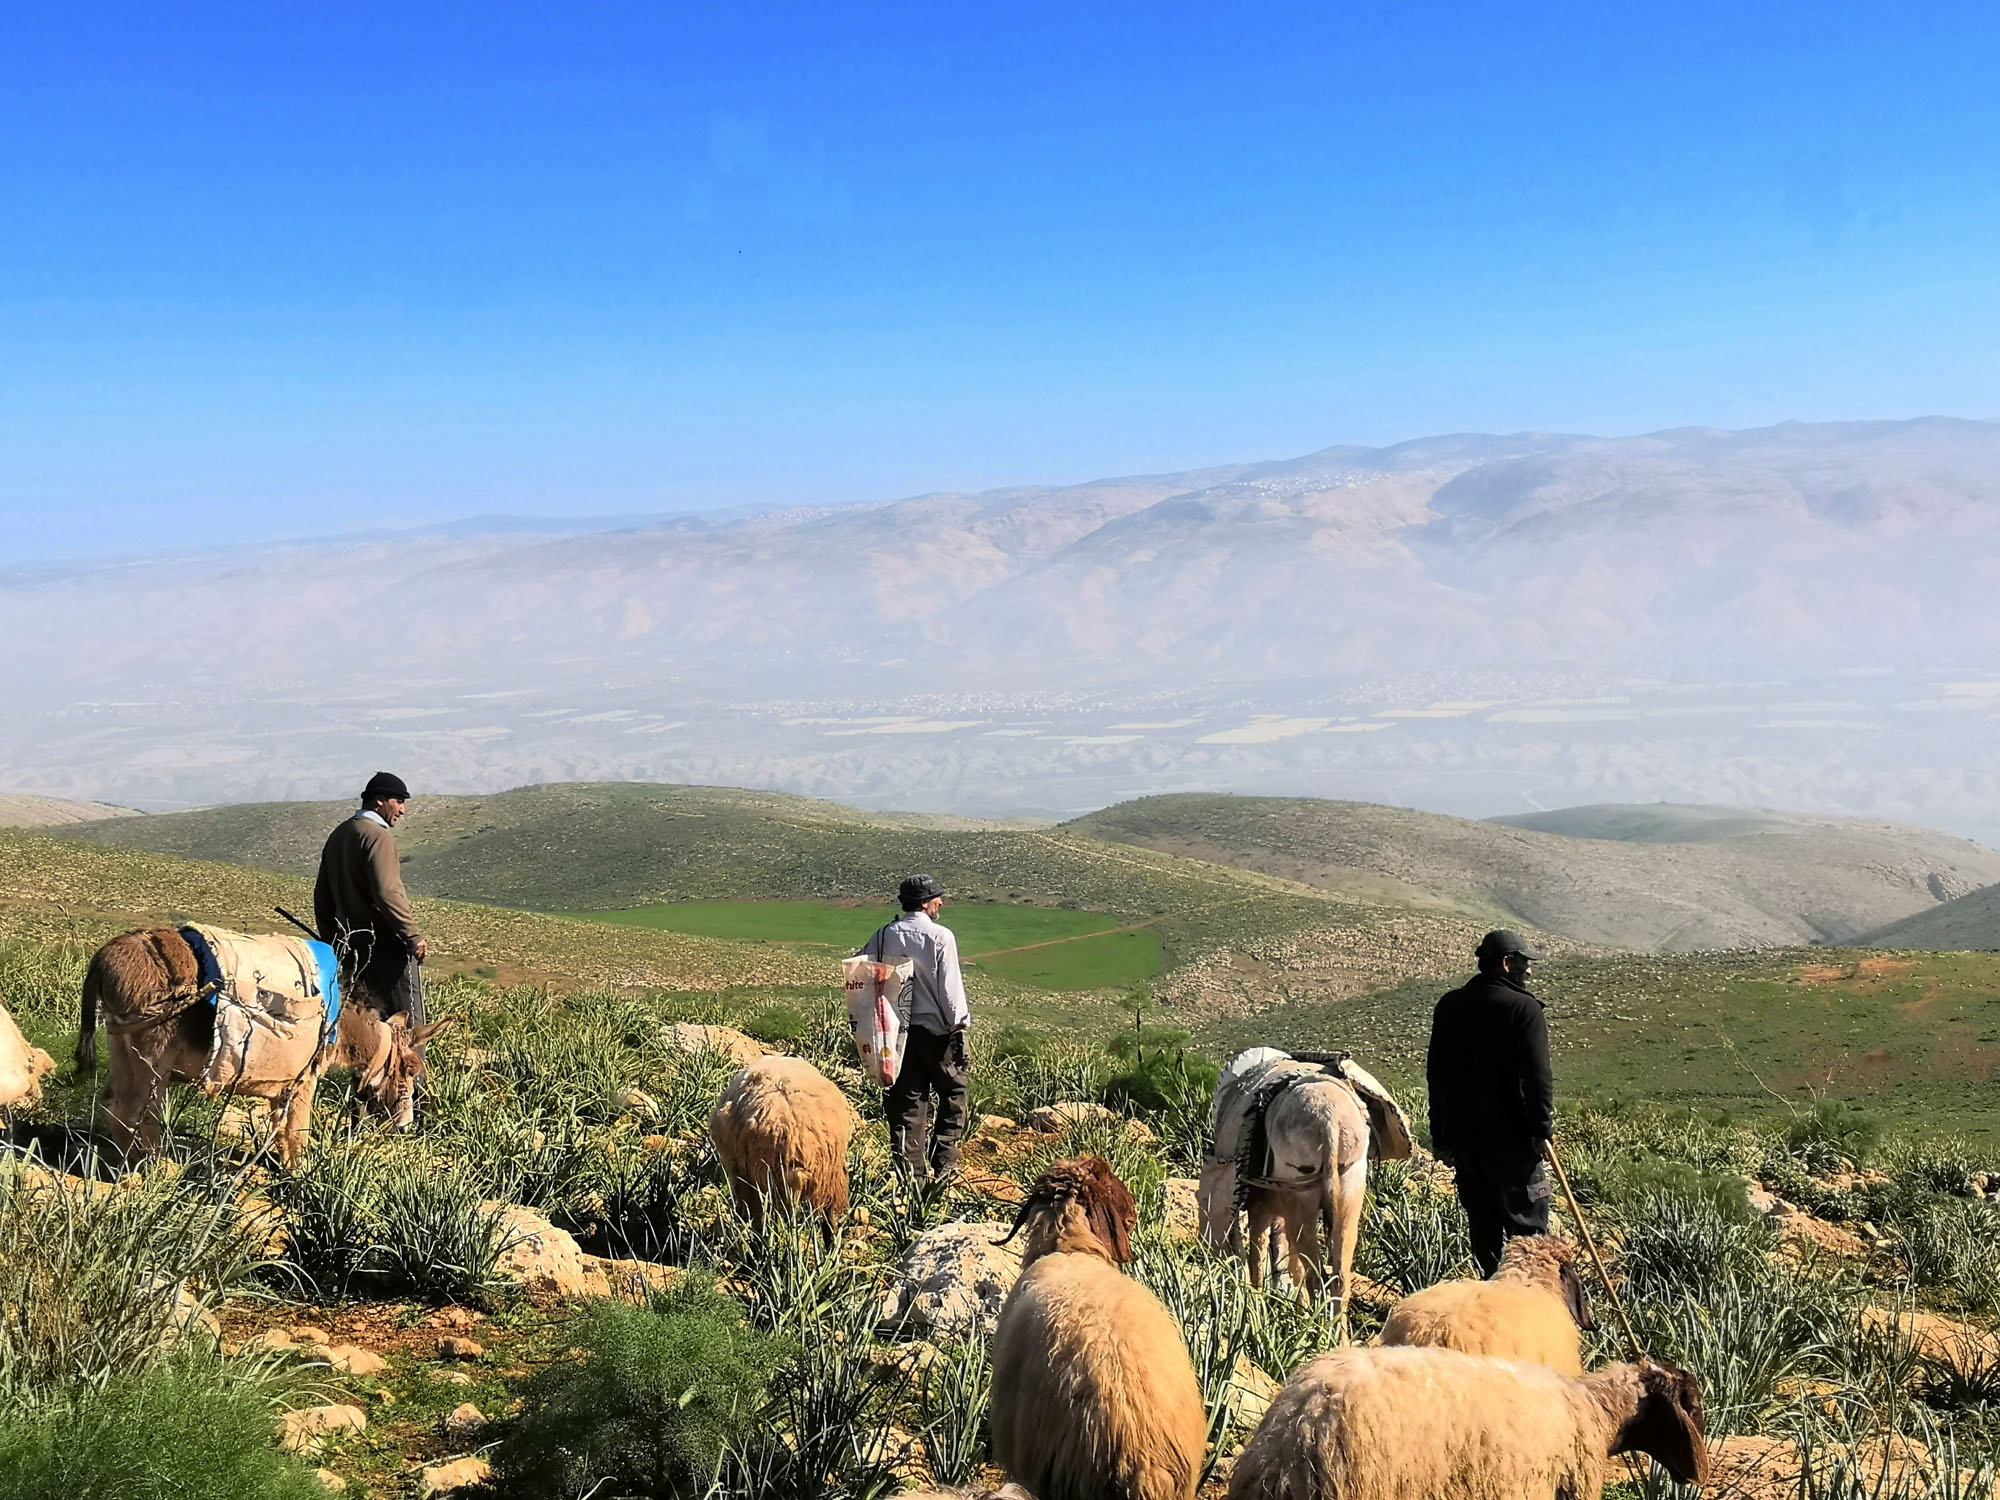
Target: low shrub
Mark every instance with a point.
(1683, 1235)
(658, 1397)
(1058, 1072)
(1413, 1233)
(1834, 1134)
(440, 1241)
(1941, 1166)
(776, 1025)
(186, 1432)
(952, 1395)
(379, 1215)
(1952, 1248)
(1747, 1336)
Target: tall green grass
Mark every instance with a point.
(99, 1281)
(186, 1430)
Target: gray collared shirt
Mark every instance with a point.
(937, 988)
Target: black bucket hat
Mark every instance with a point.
(918, 890)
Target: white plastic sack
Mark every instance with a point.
(873, 992)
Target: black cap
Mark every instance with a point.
(1502, 942)
(918, 890)
(384, 786)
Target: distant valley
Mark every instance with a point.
(1802, 616)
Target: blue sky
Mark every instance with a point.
(278, 270)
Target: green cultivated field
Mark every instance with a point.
(1055, 950)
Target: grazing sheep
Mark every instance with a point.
(1531, 1309)
(22, 1066)
(1434, 1424)
(1093, 1394)
(782, 1129)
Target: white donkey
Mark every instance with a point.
(1292, 1139)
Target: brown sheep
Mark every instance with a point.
(1531, 1309)
(1434, 1424)
(782, 1130)
(1094, 1397)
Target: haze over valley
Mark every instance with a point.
(1803, 617)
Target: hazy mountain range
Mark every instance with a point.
(1805, 616)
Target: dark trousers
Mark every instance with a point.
(1501, 1200)
(393, 981)
(932, 1064)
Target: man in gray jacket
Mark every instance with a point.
(934, 1053)
(360, 907)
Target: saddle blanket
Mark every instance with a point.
(1254, 1078)
(277, 1002)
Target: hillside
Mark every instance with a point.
(1969, 924)
(62, 890)
(1651, 880)
(1234, 940)
(20, 811)
(1913, 1037)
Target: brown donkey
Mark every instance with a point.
(147, 984)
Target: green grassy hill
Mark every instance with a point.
(1247, 960)
(1645, 879)
(1229, 940)
(58, 890)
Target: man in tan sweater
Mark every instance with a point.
(361, 908)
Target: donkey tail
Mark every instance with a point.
(86, 1033)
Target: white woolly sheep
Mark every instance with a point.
(782, 1130)
(1094, 1397)
(1434, 1424)
(22, 1066)
(1531, 1309)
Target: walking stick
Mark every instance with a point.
(296, 923)
(1583, 1226)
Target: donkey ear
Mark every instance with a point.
(422, 1034)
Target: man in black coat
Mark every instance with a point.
(1492, 1097)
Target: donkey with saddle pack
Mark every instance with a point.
(254, 1017)
(1290, 1142)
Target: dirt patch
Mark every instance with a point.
(1878, 970)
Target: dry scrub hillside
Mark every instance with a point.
(1701, 879)
(57, 889)
(21, 811)
(1969, 924)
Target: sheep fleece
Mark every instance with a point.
(781, 1125)
(1093, 1394)
(1425, 1424)
(1506, 1320)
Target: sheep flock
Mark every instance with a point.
(1476, 1392)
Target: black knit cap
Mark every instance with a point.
(918, 890)
(385, 786)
